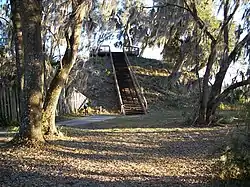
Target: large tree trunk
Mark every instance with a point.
(224, 65)
(31, 126)
(216, 89)
(80, 10)
(205, 88)
(54, 92)
(207, 99)
(18, 41)
(215, 103)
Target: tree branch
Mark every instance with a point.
(228, 19)
(166, 5)
(4, 19)
(231, 87)
(238, 47)
(193, 13)
(199, 21)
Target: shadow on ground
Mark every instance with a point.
(36, 178)
(117, 157)
(138, 145)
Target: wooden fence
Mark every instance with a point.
(10, 103)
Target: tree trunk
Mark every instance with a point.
(18, 40)
(173, 77)
(205, 88)
(53, 94)
(207, 103)
(215, 103)
(144, 46)
(31, 126)
(80, 10)
(224, 65)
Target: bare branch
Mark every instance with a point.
(4, 19)
(228, 19)
(232, 87)
(238, 47)
(194, 14)
(166, 5)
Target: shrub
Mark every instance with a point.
(235, 161)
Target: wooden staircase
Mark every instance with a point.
(132, 104)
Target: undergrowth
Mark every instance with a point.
(234, 163)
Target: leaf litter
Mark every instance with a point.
(116, 157)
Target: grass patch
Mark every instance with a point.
(154, 119)
(229, 116)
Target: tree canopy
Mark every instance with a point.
(194, 35)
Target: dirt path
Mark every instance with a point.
(84, 122)
(116, 157)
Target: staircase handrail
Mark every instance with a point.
(131, 49)
(116, 82)
(138, 89)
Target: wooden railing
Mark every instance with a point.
(102, 50)
(115, 78)
(131, 50)
(138, 89)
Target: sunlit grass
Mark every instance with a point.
(151, 72)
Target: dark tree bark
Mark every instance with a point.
(175, 74)
(144, 46)
(205, 87)
(210, 99)
(18, 41)
(31, 126)
(215, 103)
(207, 104)
(80, 10)
(216, 88)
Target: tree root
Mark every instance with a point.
(17, 141)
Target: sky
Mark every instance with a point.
(233, 70)
(154, 53)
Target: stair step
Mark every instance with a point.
(136, 108)
(130, 99)
(133, 110)
(132, 105)
(134, 113)
(130, 102)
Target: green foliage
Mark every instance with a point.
(238, 96)
(108, 72)
(235, 161)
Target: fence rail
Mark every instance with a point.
(10, 103)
